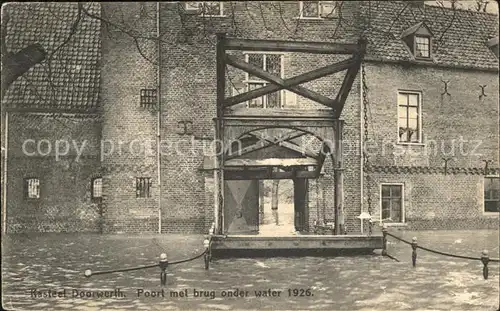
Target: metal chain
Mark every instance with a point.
(366, 157)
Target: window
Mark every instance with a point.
(409, 117)
(97, 188)
(317, 9)
(272, 63)
(143, 187)
(148, 98)
(418, 38)
(32, 188)
(492, 194)
(422, 47)
(206, 8)
(392, 203)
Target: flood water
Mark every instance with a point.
(34, 264)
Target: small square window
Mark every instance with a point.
(148, 98)
(97, 188)
(143, 187)
(32, 188)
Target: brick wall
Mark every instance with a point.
(462, 122)
(65, 203)
(189, 93)
(129, 130)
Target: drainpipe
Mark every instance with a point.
(361, 145)
(159, 115)
(4, 203)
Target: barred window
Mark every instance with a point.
(143, 187)
(492, 194)
(97, 188)
(148, 98)
(32, 188)
(392, 203)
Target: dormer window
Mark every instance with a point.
(493, 45)
(418, 38)
(422, 46)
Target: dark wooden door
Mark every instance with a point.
(241, 207)
(300, 202)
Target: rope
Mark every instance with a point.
(441, 253)
(147, 267)
(393, 258)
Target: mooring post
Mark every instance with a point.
(414, 251)
(384, 240)
(485, 259)
(207, 255)
(88, 273)
(163, 267)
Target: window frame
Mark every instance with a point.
(496, 214)
(92, 192)
(148, 98)
(320, 13)
(138, 191)
(403, 210)
(249, 81)
(26, 189)
(199, 8)
(419, 119)
(429, 38)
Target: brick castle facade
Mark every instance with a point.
(413, 120)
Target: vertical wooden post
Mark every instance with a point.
(485, 259)
(414, 251)
(163, 266)
(219, 130)
(384, 239)
(339, 178)
(207, 256)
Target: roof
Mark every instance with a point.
(460, 36)
(414, 29)
(70, 80)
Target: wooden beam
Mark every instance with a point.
(325, 149)
(219, 134)
(345, 89)
(270, 113)
(264, 144)
(288, 145)
(289, 84)
(267, 174)
(291, 46)
(349, 78)
(285, 162)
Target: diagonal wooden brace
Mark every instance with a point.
(264, 143)
(288, 145)
(289, 84)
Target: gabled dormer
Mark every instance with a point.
(493, 45)
(418, 38)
